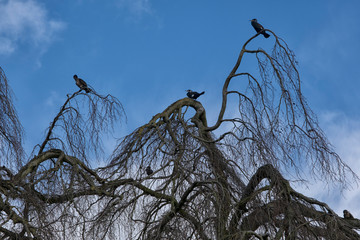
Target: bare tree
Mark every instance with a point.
(11, 131)
(219, 181)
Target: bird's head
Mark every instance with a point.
(75, 76)
(188, 90)
(253, 20)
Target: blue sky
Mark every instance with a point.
(148, 52)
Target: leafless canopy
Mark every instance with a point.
(220, 181)
(80, 133)
(11, 131)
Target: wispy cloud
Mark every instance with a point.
(6, 46)
(137, 8)
(335, 42)
(344, 134)
(53, 100)
(26, 22)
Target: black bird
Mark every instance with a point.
(148, 170)
(81, 84)
(259, 28)
(193, 95)
(347, 214)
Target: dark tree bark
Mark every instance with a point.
(210, 181)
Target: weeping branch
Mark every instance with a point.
(230, 180)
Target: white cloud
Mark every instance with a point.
(26, 22)
(344, 134)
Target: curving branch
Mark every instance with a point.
(224, 181)
(80, 135)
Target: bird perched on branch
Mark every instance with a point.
(148, 170)
(347, 214)
(81, 84)
(259, 28)
(193, 95)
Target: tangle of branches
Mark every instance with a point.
(203, 184)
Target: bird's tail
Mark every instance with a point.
(266, 35)
(202, 93)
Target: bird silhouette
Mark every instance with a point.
(259, 28)
(347, 214)
(193, 95)
(81, 84)
(148, 170)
